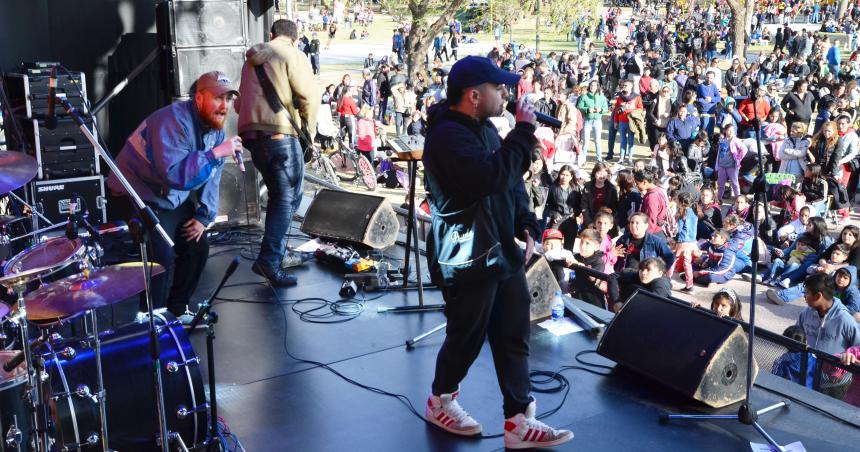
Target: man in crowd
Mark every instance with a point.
(279, 95)
(174, 161)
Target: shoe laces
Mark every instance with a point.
(454, 410)
(533, 423)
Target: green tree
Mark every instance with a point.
(742, 12)
(428, 19)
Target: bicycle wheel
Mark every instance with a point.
(368, 176)
(330, 174)
(322, 168)
(343, 166)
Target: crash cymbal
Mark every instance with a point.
(76, 294)
(25, 276)
(16, 169)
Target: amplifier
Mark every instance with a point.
(63, 152)
(28, 91)
(52, 198)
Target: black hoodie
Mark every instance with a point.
(466, 160)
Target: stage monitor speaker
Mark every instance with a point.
(359, 219)
(237, 191)
(687, 349)
(542, 287)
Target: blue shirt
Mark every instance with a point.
(708, 90)
(169, 156)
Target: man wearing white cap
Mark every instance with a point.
(175, 152)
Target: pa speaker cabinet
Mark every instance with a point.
(55, 197)
(689, 350)
(356, 218)
(542, 287)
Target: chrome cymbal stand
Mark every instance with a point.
(101, 394)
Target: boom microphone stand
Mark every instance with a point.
(747, 414)
(150, 222)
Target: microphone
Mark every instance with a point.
(204, 307)
(72, 225)
(546, 120)
(238, 156)
(51, 118)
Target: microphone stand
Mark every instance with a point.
(747, 414)
(205, 313)
(148, 220)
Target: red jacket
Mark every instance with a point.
(655, 205)
(347, 106)
(632, 104)
(762, 107)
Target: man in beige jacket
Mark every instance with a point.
(273, 141)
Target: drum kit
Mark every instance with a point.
(66, 393)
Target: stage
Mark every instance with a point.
(275, 402)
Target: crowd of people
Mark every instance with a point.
(667, 79)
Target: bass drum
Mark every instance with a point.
(129, 383)
(16, 421)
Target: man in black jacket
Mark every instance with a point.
(651, 277)
(467, 163)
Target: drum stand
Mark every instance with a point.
(101, 394)
(34, 373)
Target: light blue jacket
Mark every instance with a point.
(170, 156)
(833, 333)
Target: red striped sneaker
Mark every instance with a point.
(445, 412)
(523, 431)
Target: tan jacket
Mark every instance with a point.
(291, 74)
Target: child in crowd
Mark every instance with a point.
(813, 186)
(789, 232)
(788, 365)
(559, 258)
(828, 325)
(730, 152)
(651, 277)
(741, 208)
(366, 133)
(805, 246)
(726, 303)
(588, 288)
(847, 291)
(603, 224)
(660, 155)
(697, 153)
(849, 357)
(838, 256)
(719, 262)
(710, 214)
(685, 240)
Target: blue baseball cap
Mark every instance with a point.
(474, 70)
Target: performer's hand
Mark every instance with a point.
(228, 148)
(193, 230)
(525, 112)
(530, 244)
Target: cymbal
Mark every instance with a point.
(16, 169)
(24, 276)
(76, 294)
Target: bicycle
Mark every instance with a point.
(321, 167)
(349, 165)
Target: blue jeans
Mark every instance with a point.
(792, 293)
(778, 268)
(613, 131)
(282, 165)
(589, 126)
(708, 123)
(400, 123)
(798, 275)
(626, 140)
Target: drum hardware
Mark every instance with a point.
(178, 439)
(31, 207)
(14, 436)
(66, 353)
(91, 440)
(183, 412)
(173, 366)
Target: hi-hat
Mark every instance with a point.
(77, 294)
(16, 169)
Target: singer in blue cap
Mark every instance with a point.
(474, 178)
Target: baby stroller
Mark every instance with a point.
(327, 130)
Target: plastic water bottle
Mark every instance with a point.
(557, 307)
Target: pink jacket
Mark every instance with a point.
(738, 150)
(365, 134)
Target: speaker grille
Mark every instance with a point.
(209, 23)
(193, 62)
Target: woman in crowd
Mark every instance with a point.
(563, 205)
(598, 193)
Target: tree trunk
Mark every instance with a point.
(843, 7)
(421, 35)
(742, 12)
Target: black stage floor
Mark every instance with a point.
(276, 403)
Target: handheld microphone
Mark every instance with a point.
(546, 120)
(238, 156)
(51, 118)
(72, 225)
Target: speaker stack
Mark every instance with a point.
(198, 36)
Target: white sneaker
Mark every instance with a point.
(523, 431)
(445, 412)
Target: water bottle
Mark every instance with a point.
(557, 307)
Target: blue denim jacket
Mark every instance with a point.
(169, 156)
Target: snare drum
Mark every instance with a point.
(16, 422)
(58, 252)
(129, 384)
